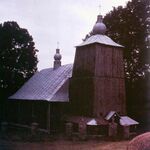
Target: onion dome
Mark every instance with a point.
(57, 59)
(99, 27)
(57, 56)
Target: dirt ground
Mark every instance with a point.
(63, 145)
(21, 139)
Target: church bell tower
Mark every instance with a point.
(97, 85)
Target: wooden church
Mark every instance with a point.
(97, 85)
(92, 90)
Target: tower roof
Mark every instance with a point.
(101, 39)
(98, 35)
(57, 59)
(57, 56)
(99, 27)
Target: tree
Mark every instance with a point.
(18, 59)
(127, 26)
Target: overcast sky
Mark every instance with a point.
(52, 21)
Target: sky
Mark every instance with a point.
(53, 21)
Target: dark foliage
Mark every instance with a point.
(128, 26)
(18, 60)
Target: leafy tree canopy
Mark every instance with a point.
(18, 59)
(130, 26)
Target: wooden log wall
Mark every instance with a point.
(99, 60)
(109, 96)
(109, 62)
(97, 85)
(81, 96)
(84, 61)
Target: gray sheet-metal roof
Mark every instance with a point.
(87, 120)
(127, 121)
(111, 114)
(92, 122)
(102, 39)
(48, 84)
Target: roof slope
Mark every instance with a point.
(125, 120)
(111, 114)
(88, 120)
(48, 84)
(101, 39)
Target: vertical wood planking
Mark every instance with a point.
(98, 80)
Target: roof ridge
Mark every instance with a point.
(101, 39)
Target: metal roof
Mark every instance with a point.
(101, 39)
(87, 120)
(92, 122)
(127, 121)
(48, 84)
(111, 114)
